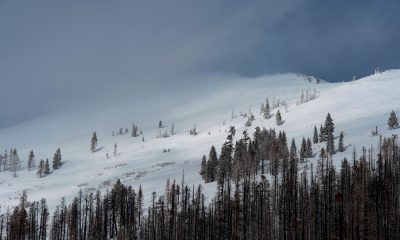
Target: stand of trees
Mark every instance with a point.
(356, 201)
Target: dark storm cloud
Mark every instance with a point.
(56, 53)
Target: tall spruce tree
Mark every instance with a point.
(40, 169)
(341, 146)
(93, 143)
(293, 151)
(393, 122)
(309, 148)
(329, 126)
(267, 110)
(31, 160)
(315, 136)
(303, 150)
(57, 160)
(212, 165)
(203, 166)
(46, 167)
(321, 134)
(115, 149)
(278, 118)
(330, 143)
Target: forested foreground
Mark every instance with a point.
(360, 200)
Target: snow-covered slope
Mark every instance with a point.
(356, 108)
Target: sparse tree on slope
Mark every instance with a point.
(321, 134)
(262, 109)
(212, 165)
(329, 126)
(203, 166)
(278, 118)
(57, 159)
(115, 149)
(93, 143)
(341, 146)
(267, 110)
(40, 169)
(15, 162)
(135, 130)
(172, 129)
(393, 122)
(303, 150)
(330, 143)
(47, 167)
(309, 148)
(31, 160)
(315, 137)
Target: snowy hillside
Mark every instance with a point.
(356, 107)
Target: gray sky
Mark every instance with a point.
(59, 53)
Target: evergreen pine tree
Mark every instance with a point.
(267, 111)
(329, 126)
(309, 148)
(160, 124)
(315, 137)
(31, 160)
(212, 165)
(203, 166)
(135, 130)
(293, 151)
(393, 122)
(15, 162)
(115, 149)
(262, 109)
(47, 167)
(278, 118)
(303, 150)
(40, 170)
(340, 146)
(330, 143)
(321, 134)
(93, 143)
(57, 159)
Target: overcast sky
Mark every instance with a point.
(56, 53)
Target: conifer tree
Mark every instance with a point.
(40, 170)
(341, 146)
(203, 166)
(31, 160)
(212, 165)
(329, 127)
(267, 110)
(57, 160)
(315, 137)
(393, 122)
(330, 143)
(14, 161)
(115, 149)
(135, 130)
(309, 148)
(160, 124)
(93, 143)
(47, 167)
(262, 109)
(278, 118)
(172, 129)
(321, 134)
(293, 151)
(303, 150)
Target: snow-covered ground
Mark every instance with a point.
(356, 107)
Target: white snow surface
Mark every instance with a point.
(356, 107)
